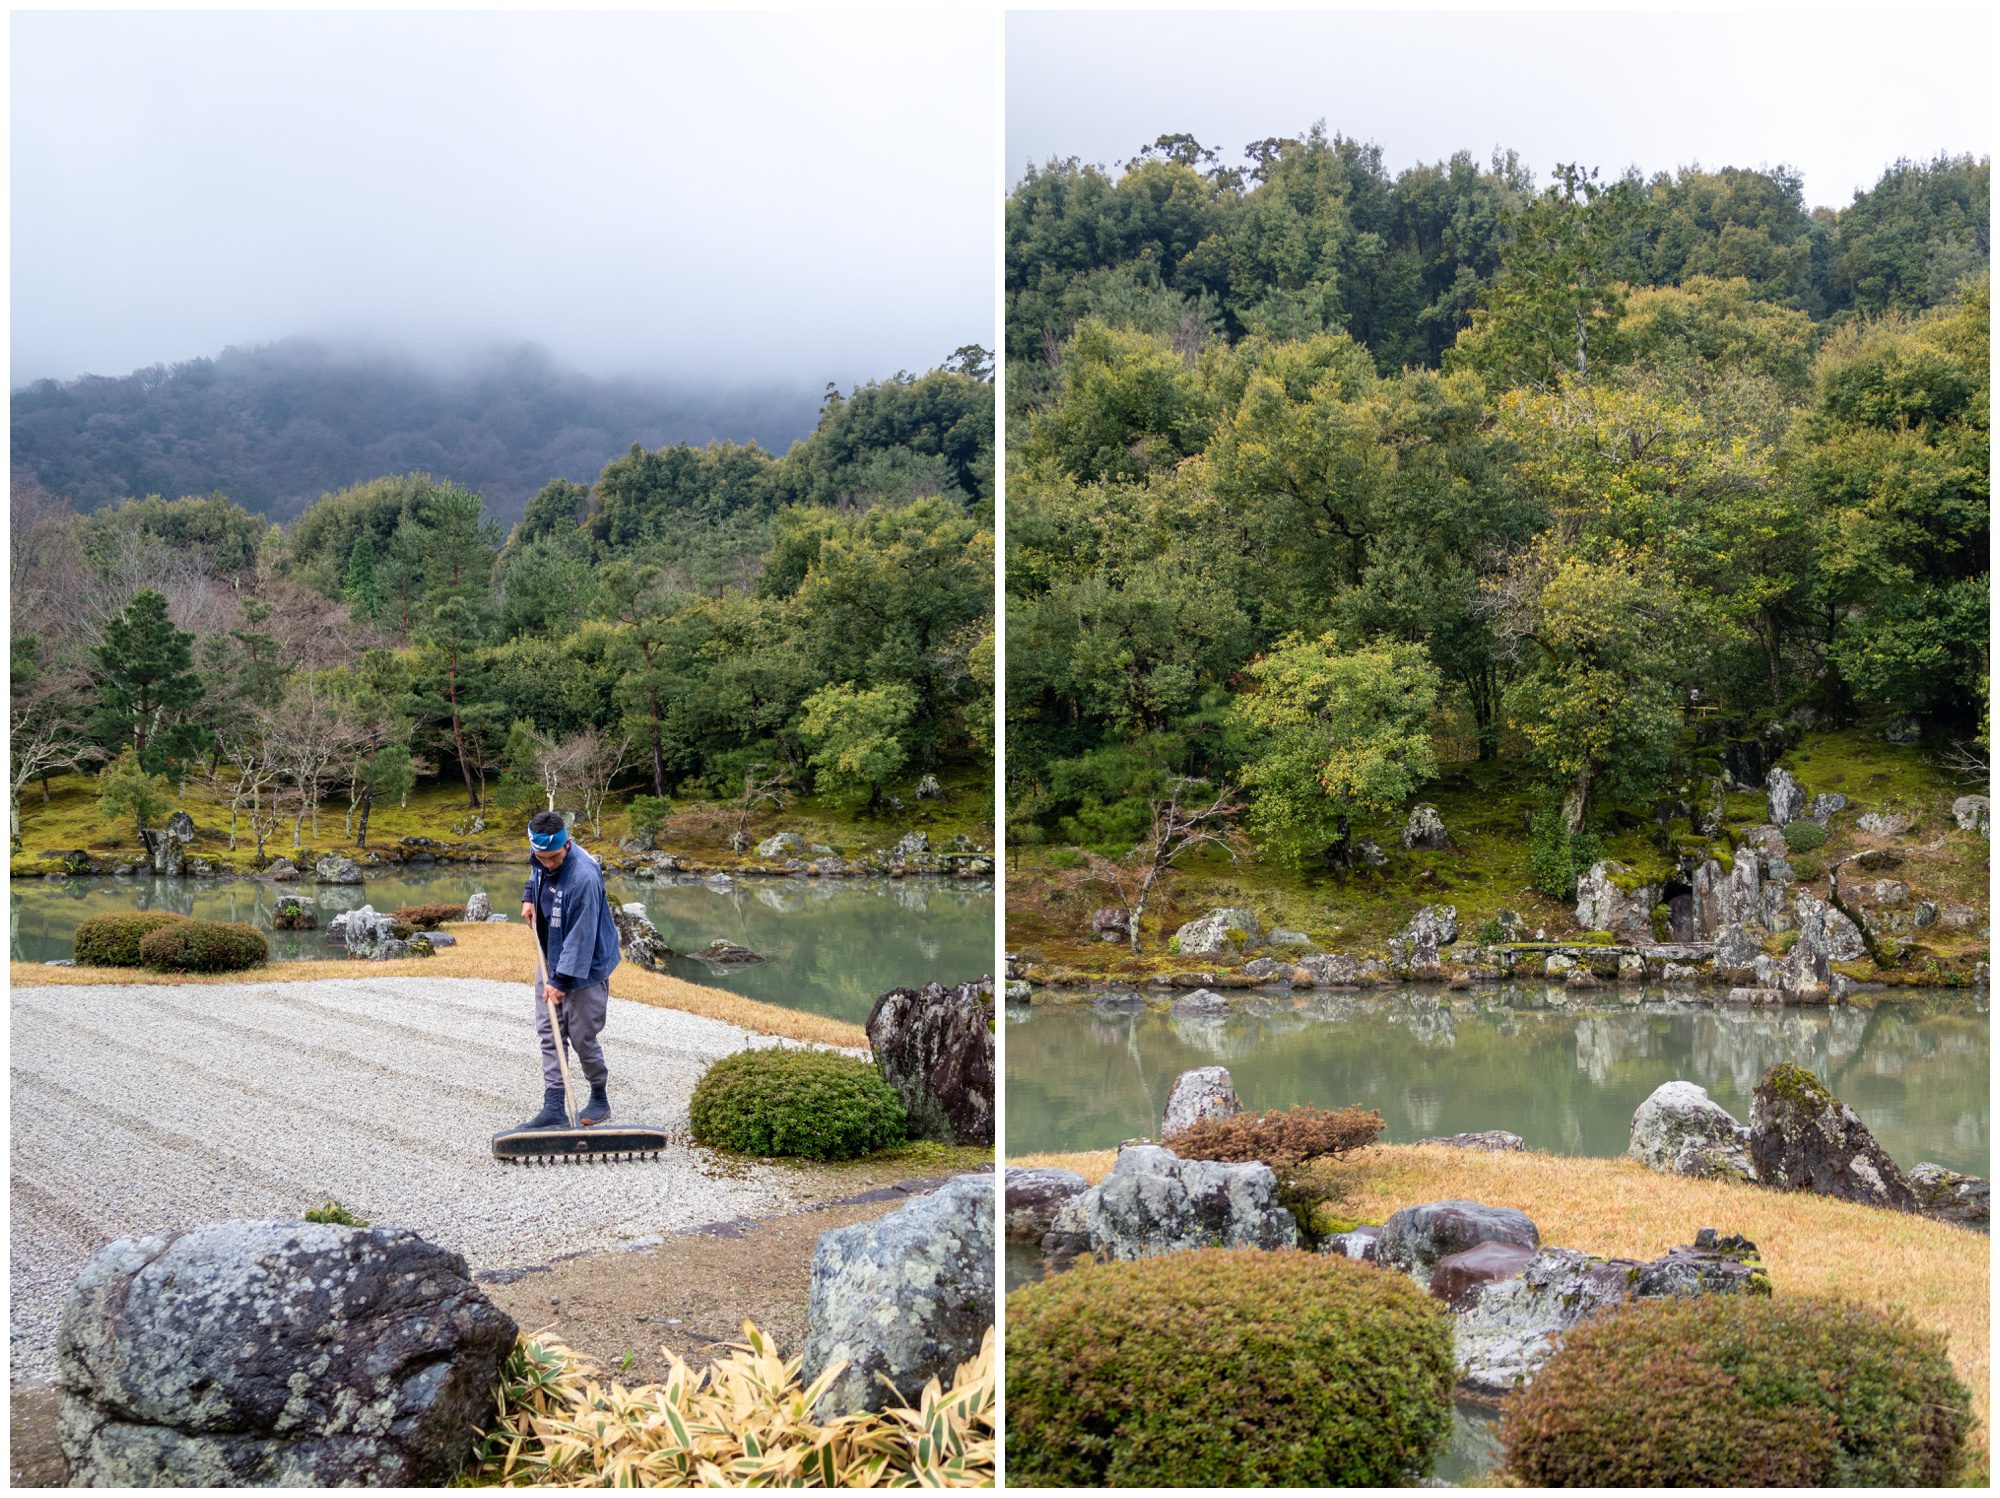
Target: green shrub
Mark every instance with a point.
(1803, 836)
(113, 940)
(1226, 1368)
(1808, 866)
(1493, 933)
(1727, 1391)
(1281, 1138)
(786, 1101)
(429, 917)
(1555, 858)
(335, 1213)
(203, 947)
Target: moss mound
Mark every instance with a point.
(1803, 836)
(1723, 1391)
(429, 917)
(204, 947)
(113, 940)
(784, 1101)
(1225, 1368)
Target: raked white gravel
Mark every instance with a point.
(147, 1109)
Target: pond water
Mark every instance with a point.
(1085, 1074)
(831, 945)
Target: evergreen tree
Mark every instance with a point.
(145, 671)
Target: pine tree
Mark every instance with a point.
(145, 670)
(361, 587)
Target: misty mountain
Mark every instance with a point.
(277, 426)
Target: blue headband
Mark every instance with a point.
(548, 842)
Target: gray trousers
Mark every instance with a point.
(582, 1015)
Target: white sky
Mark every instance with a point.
(1837, 96)
(732, 196)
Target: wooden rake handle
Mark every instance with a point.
(555, 1023)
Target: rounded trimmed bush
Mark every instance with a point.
(786, 1101)
(1729, 1391)
(204, 947)
(1804, 836)
(1226, 1368)
(113, 940)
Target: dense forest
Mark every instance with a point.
(277, 426)
(1318, 476)
(698, 621)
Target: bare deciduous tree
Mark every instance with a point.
(45, 735)
(310, 732)
(1180, 826)
(759, 789)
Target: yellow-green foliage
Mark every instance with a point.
(745, 1421)
(1226, 1368)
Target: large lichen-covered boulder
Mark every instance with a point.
(370, 934)
(1509, 1328)
(1425, 829)
(1803, 1138)
(1679, 1129)
(336, 870)
(1154, 1202)
(1326, 970)
(1034, 1194)
(275, 1354)
(907, 1297)
(1785, 798)
(479, 906)
(1609, 897)
(1725, 899)
(1224, 930)
(1416, 953)
(1415, 1238)
(170, 844)
(1203, 1092)
(1825, 936)
(934, 1045)
(639, 940)
(779, 845)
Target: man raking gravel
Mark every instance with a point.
(576, 938)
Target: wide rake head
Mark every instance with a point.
(578, 1146)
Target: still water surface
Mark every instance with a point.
(831, 945)
(1566, 1076)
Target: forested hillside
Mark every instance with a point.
(1321, 479)
(277, 426)
(694, 619)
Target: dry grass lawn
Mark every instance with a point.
(488, 951)
(1812, 1245)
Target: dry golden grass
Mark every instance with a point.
(1812, 1245)
(499, 952)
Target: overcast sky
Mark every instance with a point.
(726, 197)
(1839, 97)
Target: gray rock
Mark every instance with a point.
(639, 940)
(928, 789)
(1415, 1238)
(479, 907)
(1284, 938)
(170, 845)
(1201, 1001)
(60, 962)
(1679, 974)
(281, 869)
(1725, 899)
(1926, 914)
(1764, 840)
(1803, 1138)
(1886, 892)
(934, 1045)
(1885, 823)
(1971, 813)
(334, 870)
(1680, 1130)
(1268, 970)
(1357, 1243)
(1415, 953)
(1948, 1195)
(1825, 805)
(1326, 970)
(369, 934)
(1785, 797)
(1112, 923)
(1903, 729)
(1511, 1327)
(832, 863)
(910, 844)
(1484, 1139)
(721, 952)
(496, 920)
(1213, 932)
(1425, 829)
(440, 938)
(1204, 1092)
(1601, 905)
(1154, 1202)
(275, 1354)
(1825, 936)
(1459, 1278)
(1958, 917)
(778, 844)
(1558, 965)
(1371, 854)
(1033, 1197)
(907, 1298)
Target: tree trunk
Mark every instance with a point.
(659, 766)
(1576, 803)
(1138, 912)
(367, 805)
(45, 787)
(457, 736)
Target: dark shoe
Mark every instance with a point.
(597, 1110)
(554, 1114)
